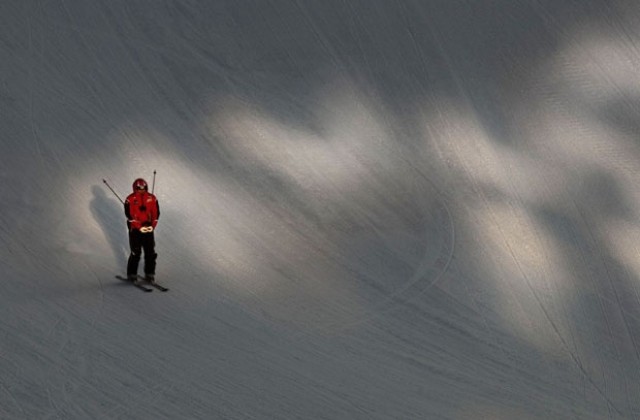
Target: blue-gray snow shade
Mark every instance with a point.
(370, 209)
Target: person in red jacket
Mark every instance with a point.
(142, 211)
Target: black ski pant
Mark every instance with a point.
(138, 242)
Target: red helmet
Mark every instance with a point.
(140, 184)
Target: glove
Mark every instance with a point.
(146, 229)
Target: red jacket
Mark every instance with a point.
(141, 209)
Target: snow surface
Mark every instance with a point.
(371, 209)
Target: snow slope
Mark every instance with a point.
(371, 209)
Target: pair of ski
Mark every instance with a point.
(143, 287)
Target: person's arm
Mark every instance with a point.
(155, 221)
(131, 222)
(127, 211)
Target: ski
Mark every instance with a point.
(154, 284)
(159, 287)
(139, 286)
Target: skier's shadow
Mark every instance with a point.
(109, 216)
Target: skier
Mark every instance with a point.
(142, 210)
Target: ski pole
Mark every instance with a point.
(153, 186)
(114, 193)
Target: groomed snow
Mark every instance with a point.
(371, 209)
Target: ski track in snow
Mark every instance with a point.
(369, 209)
